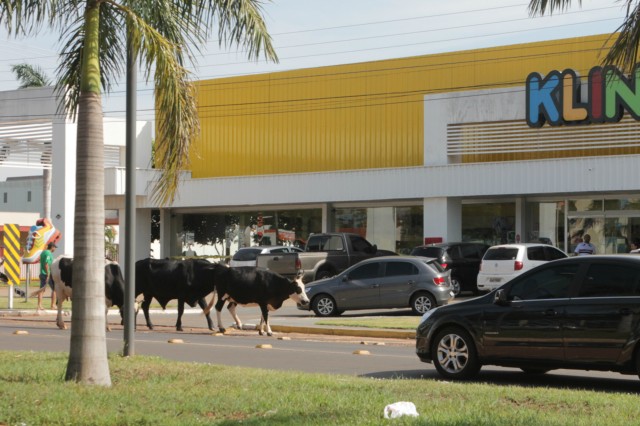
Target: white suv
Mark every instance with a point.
(504, 262)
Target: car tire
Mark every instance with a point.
(324, 273)
(422, 302)
(324, 305)
(454, 354)
(456, 286)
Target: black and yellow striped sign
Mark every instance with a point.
(12, 253)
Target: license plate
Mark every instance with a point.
(495, 280)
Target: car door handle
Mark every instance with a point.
(625, 311)
(375, 285)
(550, 313)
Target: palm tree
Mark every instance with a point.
(30, 76)
(624, 50)
(33, 76)
(95, 34)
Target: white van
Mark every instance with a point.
(504, 262)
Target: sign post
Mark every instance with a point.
(12, 257)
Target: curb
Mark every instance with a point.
(391, 334)
(353, 332)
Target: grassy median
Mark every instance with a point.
(153, 391)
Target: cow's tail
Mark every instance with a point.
(39, 291)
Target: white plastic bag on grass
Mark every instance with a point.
(399, 409)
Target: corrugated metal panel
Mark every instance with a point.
(357, 116)
(514, 140)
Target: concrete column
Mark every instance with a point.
(63, 182)
(443, 218)
(521, 221)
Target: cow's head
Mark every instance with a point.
(299, 295)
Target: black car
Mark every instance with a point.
(576, 313)
(463, 259)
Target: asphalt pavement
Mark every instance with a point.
(287, 319)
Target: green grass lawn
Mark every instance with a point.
(400, 323)
(153, 391)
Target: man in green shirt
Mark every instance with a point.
(46, 259)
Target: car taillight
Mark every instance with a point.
(517, 266)
(480, 266)
(444, 265)
(439, 280)
(298, 264)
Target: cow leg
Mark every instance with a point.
(145, 309)
(265, 320)
(208, 308)
(106, 318)
(59, 301)
(219, 306)
(204, 306)
(180, 312)
(232, 310)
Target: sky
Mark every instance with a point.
(308, 33)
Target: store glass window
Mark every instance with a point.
(222, 234)
(491, 223)
(585, 205)
(397, 229)
(545, 223)
(622, 204)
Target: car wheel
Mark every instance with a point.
(455, 286)
(324, 273)
(422, 302)
(528, 370)
(324, 306)
(454, 354)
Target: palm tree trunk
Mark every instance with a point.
(88, 362)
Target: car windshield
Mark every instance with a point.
(501, 253)
(247, 254)
(427, 251)
(435, 265)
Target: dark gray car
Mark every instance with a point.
(579, 313)
(414, 282)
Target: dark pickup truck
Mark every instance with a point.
(328, 254)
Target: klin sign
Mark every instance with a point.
(557, 97)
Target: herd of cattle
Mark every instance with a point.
(189, 281)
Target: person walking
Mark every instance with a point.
(585, 248)
(46, 259)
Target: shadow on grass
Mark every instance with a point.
(590, 381)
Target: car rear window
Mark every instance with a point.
(427, 251)
(501, 253)
(248, 254)
(436, 265)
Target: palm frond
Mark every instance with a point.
(239, 22)
(27, 17)
(176, 115)
(540, 7)
(112, 54)
(30, 75)
(624, 51)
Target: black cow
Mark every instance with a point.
(188, 280)
(245, 286)
(62, 274)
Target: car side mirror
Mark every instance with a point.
(500, 298)
(345, 278)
